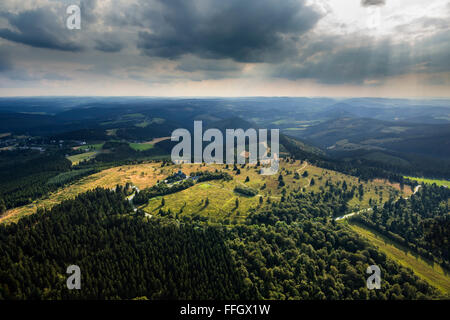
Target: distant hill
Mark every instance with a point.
(232, 123)
(345, 134)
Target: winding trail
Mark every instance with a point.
(352, 214)
(416, 189)
(131, 197)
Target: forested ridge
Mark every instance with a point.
(362, 168)
(317, 261)
(27, 175)
(24, 176)
(422, 222)
(299, 206)
(123, 255)
(120, 256)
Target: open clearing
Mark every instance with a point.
(76, 159)
(222, 198)
(140, 146)
(431, 181)
(142, 176)
(220, 194)
(428, 271)
(156, 140)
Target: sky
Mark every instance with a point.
(226, 48)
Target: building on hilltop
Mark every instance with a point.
(180, 175)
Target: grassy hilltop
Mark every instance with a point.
(221, 195)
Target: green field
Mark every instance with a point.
(428, 271)
(92, 147)
(133, 115)
(141, 146)
(222, 197)
(76, 159)
(431, 181)
(295, 129)
(111, 132)
(143, 124)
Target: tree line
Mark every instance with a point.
(422, 223)
(302, 254)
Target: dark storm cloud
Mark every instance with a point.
(244, 31)
(20, 74)
(107, 45)
(191, 64)
(367, 3)
(5, 61)
(55, 76)
(436, 52)
(4, 66)
(87, 9)
(332, 64)
(214, 39)
(206, 69)
(40, 28)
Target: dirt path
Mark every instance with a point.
(302, 167)
(156, 140)
(416, 189)
(352, 214)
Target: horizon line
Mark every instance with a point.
(228, 97)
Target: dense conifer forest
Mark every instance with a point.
(293, 253)
(24, 176)
(422, 223)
